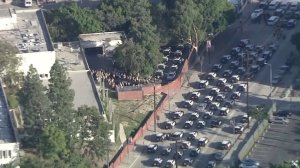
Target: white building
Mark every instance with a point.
(9, 147)
(26, 29)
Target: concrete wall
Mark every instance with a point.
(42, 61)
(11, 152)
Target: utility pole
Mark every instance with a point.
(247, 98)
(154, 105)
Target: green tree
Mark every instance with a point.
(94, 132)
(9, 63)
(70, 20)
(36, 106)
(53, 144)
(61, 96)
(259, 112)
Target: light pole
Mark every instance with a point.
(154, 105)
(270, 65)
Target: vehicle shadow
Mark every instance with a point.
(194, 85)
(228, 129)
(150, 138)
(215, 145)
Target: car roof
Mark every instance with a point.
(223, 108)
(151, 146)
(225, 142)
(203, 139)
(188, 121)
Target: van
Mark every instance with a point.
(272, 20)
(274, 4)
(294, 6)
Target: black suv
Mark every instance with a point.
(215, 123)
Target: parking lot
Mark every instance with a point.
(280, 143)
(259, 93)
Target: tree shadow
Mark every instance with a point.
(215, 145)
(228, 129)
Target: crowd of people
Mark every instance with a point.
(115, 78)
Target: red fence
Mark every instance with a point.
(138, 95)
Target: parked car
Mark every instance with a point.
(208, 115)
(178, 155)
(211, 76)
(284, 69)
(274, 4)
(187, 162)
(254, 69)
(279, 120)
(261, 61)
(195, 96)
(224, 111)
(152, 148)
(157, 162)
(228, 103)
(203, 84)
(276, 79)
(203, 141)
(257, 13)
(283, 113)
(235, 51)
(249, 163)
(170, 163)
(200, 124)
(234, 79)
(273, 20)
(279, 12)
(171, 75)
(245, 118)
(159, 74)
(227, 87)
(227, 73)
(239, 129)
(176, 135)
(221, 82)
(166, 151)
(267, 54)
(235, 95)
(244, 42)
(217, 67)
(169, 124)
(201, 107)
(294, 6)
(188, 124)
(194, 116)
(192, 135)
(195, 152)
(188, 103)
(160, 137)
(176, 114)
(220, 98)
(263, 5)
(211, 164)
(208, 99)
(234, 64)
(214, 105)
(226, 144)
(242, 87)
(291, 23)
(225, 58)
(215, 123)
(218, 156)
(185, 144)
(241, 70)
(214, 91)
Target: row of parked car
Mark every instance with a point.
(283, 14)
(217, 94)
(172, 61)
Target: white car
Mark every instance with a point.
(203, 84)
(188, 103)
(203, 141)
(195, 95)
(214, 105)
(170, 163)
(257, 13)
(273, 20)
(224, 111)
(207, 99)
(280, 120)
(211, 75)
(221, 81)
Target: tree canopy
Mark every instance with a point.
(64, 137)
(36, 106)
(70, 20)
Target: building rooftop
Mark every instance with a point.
(106, 36)
(69, 55)
(28, 33)
(6, 129)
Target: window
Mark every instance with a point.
(4, 154)
(9, 153)
(46, 75)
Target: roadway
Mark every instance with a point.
(259, 91)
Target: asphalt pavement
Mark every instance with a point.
(259, 93)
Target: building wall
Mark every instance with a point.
(42, 61)
(8, 152)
